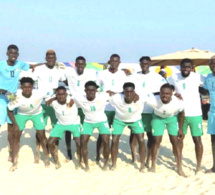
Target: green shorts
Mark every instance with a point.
(119, 126)
(48, 111)
(37, 120)
(195, 124)
(147, 120)
(159, 124)
(81, 115)
(110, 116)
(59, 130)
(89, 127)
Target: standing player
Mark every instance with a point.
(187, 84)
(48, 77)
(93, 105)
(9, 78)
(147, 82)
(68, 120)
(111, 79)
(28, 106)
(76, 80)
(210, 86)
(128, 113)
(166, 109)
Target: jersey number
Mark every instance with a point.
(92, 108)
(50, 79)
(12, 73)
(129, 110)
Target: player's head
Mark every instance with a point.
(212, 64)
(145, 62)
(61, 94)
(166, 93)
(51, 58)
(129, 92)
(114, 61)
(12, 53)
(27, 84)
(186, 67)
(91, 89)
(80, 64)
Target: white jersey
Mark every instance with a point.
(27, 106)
(66, 115)
(48, 79)
(127, 112)
(77, 82)
(167, 110)
(93, 110)
(111, 81)
(188, 87)
(148, 83)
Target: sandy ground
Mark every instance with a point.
(32, 178)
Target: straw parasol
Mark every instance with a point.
(199, 57)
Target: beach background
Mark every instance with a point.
(32, 178)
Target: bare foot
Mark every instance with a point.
(153, 170)
(105, 167)
(113, 168)
(142, 170)
(198, 169)
(97, 159)
(37, 159)
(47, 163)
(57, 165)
(9, 159)
(78, 166)
(13, 168)
(87, 169)
(181, 173)
(212, 170)
(133, 161)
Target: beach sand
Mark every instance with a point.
(32, 178)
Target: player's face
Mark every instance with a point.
(212, 66)
(91, 92)
(61, 96)
(186, 68)
(51, 60)
(27, 89)
(129, 93)
(166, 95)
(114, 62)
(80, 66)
(12, 55)
(145, 64)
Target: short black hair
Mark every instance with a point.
(168, 86)
(26, 80)
(50, 52)
(186, 60)
(80, 58)
(91, 83)
(115, 56)
(12, 47)
(60, 88)
(145, 58)
(129, 84)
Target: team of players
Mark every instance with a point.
(139, 106)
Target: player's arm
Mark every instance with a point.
(203, 91)
(3, 92)
(180, 123)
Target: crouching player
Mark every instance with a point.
(68, 120)
(93, 105)
(28, 104)
(166, 109)
(128, 113)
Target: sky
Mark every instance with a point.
(96, 29)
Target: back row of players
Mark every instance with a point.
(86, 106)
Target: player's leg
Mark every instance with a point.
(133, 144)
(118, 127)
(84, 150)
(10, 138)
(68, 144)
(106, 150)
(85, 136)
(78, 150)
(37, 153)
(212, 170)
(158, 126)
(196, 132)
(54, 150)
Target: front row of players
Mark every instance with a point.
(168, 112)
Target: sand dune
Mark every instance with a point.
(33, 178)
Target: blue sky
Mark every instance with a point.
(97, 28)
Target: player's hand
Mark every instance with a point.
(111, 93)
(127, 71)
(180, 135)
(178, 95)
(136, 98)
(71, 102)
(2, 91)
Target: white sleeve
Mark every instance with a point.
(62, 75)
(151, 100)
(13, 104)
